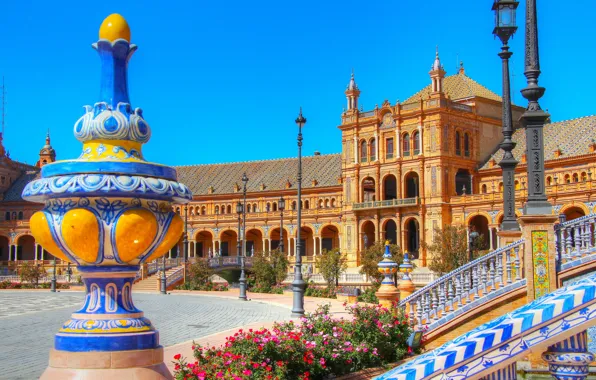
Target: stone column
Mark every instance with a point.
(355, 149)
(320, 245)
(397, 144)
(539, 254)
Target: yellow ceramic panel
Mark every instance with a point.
(125, 150)
(114, 27)
(80, 231)
(171, 237)
(40, 229)
(135, 231)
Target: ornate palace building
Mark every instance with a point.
(405, 170)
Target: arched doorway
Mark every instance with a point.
(462, 181)
(368, 234)
(391, 231)
(204, 245)
(329, 238)
(254, 242)
(26, 248)
(389, 188)
(574, 213)
(368, 190)
(413, 237)
(4, 248)
(229, 242)
(274, 237)
(479, 223)
(307, 241)
(411, 185)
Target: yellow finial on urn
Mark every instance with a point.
(114, 27)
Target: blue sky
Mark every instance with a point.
(222, 81)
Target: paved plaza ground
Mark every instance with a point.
(29, 321)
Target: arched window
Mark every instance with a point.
(575, 177)
(467, 145)
(307, 205)
(20, 215)
(584, 177)
(268, 207)
(567, 178)
(248, 208)
(192, 211)
(416, 141)
(320, 203)
(362, 151)
(484, 189)
(373, 150)
(255, 208)
(549, 181)
(274, 206)
(332, 202)
(326, 203)
(223, 209)
(217, 209)
(203, 210)
(406, 143)
(500, 187)
(7, 216)
(294, 205)
(229, 211)
(457, 143)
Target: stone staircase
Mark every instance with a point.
(150, 284)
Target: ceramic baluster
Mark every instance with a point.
(568, 242)
(491, 274)
(419, 311)
(442, 295)
(500, 269)
(578, 242)
(458, 293)
(516, 264)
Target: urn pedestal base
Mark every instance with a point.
(387, 295)
(121, 365)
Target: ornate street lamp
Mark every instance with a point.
(242, 273)
(505, 27)
(298, 285)
(281, 204)
(53, 285)
(239, 245)
(162, 280)
(185, 235)
(533, 120)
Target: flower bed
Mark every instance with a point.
(209, 286)
(321, 292)
(276, 289)
(314, 348)
(18, 285)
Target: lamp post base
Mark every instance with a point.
(125, 365)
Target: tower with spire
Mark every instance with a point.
(47, 154)
(352, 94)
(437, 74)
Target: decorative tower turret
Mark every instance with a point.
(352, 94)
(47, 155)
(437, 73)
(108, 212)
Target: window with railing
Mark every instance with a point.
(363, 151)
(389, 148)
(373, 150)
(467, 145)
(457, 143)
(406, 143)
(416, 138)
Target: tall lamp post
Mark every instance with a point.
(242, 295)
(505, 27)
(533, 119)
(281, 204)
(185, 242)
(53, 281)
(298, 285)
(239, 245)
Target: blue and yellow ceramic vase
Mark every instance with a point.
(108, 212)
(387, 293)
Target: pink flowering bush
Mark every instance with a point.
(313, 348)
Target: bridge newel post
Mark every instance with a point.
(569, 359)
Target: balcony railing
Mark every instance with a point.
(386, 204)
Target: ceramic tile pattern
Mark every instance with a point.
(540, 262)
(549, 319)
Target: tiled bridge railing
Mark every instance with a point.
(576, 242)
(555, 323)
(229, 261)
(465, 288)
